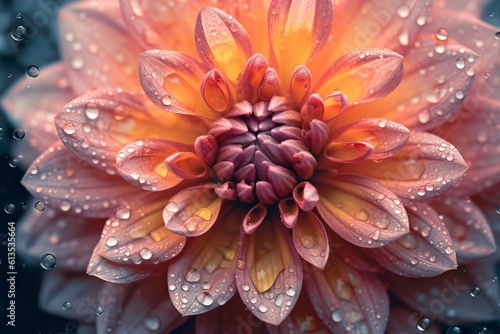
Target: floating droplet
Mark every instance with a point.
(9, 209)
(99, 310)
(14, 163)
(32, 71)
(423, 324)
(474, 292)
(454, 330)
(18, 33)
(497, 35)
(205, 299)
(146, 254)
(48, 261)
(19, 15)
(39, 206)
(18, 134)
(67, 306)
(151, 323)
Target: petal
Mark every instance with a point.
(136, 234)
(193, 211)
(346, 300)
(340, 152)
(142, 163)
(222, 41)
(364, 75)
(215, 91)
(71, 239)
(66, 183)
(204, 274)
(351, 254)
(360, 210)
(96, 47)
(186, 165)
(292, 23)
(34, 109)
(171, 80)
(95, 126)
(425, 251)
(469, 228)
(448, 297)
(425, 167)
(269, 272)
(385, 136)
(310, 239)
(438, 75)
(470, 7)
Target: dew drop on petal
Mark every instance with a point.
(337, 316)
(205, 299)
(91, 111)
(448, 250)
(192, 275)
(262, 308)
(460, 63)
(48, 261)
(18, 33)
(423, 324)
(442, 34)
(77, 63)
(111, 241)
(403, 12)
(65, 206)
(9, 209)
(122, 212)
(245, 287)
(459, 94)
(18, 134)
(166, 100)
(69, 128)
(278, 301)
(99, 310)
(474, 292)
(290, 292)
(67, 306)
(145, 253)
(39, 206)
(151, 323)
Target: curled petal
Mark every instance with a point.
(226, 190)
(67, 183)
(186, 165)
(269, 272)
(305, 196)
(282, 179)
(310, 239)
(222, 41)
(289, 212)
(302, 161)
(335, 104)
(364, 75)
(254, 217)
(385, 136)
(193, 211)
(204, 275)
(269, 86)
(317, 136)
(314, 108)
(346, 300)
(206, 147)
(142, 163)
(300, 84)
(425, 251)
(360, 210)
(215, 91)
(340, 152)
(251, 78)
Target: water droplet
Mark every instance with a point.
(421, 20)
(67, 306)
(91, 111)
(474, 292)
(48, 261)
(459, 94)
(262, 308)
(448, 250)
(14, 163)
(18, 134)
(39, 206)
(77, 63)
(497, 35)
(337, 315)
(205, 299)
(245, 287)
(146, 254)
(382, 122)
(111, 242)
(192, 275)
(404, 12)
(151, 323)
(122, 212)
(423, 324)
(362, 215)
(290, 292)
(18, 33)
(19, 15)
(424, 116)
(172, 207)
(408, 241)
(32, 71)
(204, 213)
(65, 206)
(454, 330)
(172, 287)
(99, 310)
(9, 209)
(375, 235)
(278, 301)
(166, 100)
(442, 34)
(460, 63)
(69, 128)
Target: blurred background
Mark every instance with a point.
(37, 45)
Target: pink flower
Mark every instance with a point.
(298, 154)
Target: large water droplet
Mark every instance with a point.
(39, 206)
(18, 134)
(460, 63)
(442, 34)
(48, 261)
(448, 250)
(111, 241)
(278, 301)
(18, 33)
(262, 308)
(145, 254)
(32, 71)
(91, 111)
(166, 100)
(403, 12)
(205, 299)
(337, 315)
(99, 310)
(192, 275)
(474, 292)
(67, 306)
(290, 292)
(122, 212)
(9, 209)
(423, 324)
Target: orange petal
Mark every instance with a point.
(96, 47)
(310, 239)
(222, 41)
(186, 165)
(204, 275)
(297, 31)
(300, 85)
(364, 75)
(360, 210)
(215, 91)
(269, 272)
(193, 211)
(338, 151)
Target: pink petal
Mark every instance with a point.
(192, 211)
(136, 234)
(203, 277)
(352, 255)
(96, 47)
(470, 7)
(289, 212)
(142, 163)
(450, 293)
(95, 126)
(215, 91)
(251, 78)
(292, 23)
(340, 152)
(364, 75)
(347, 300)
(69, 238)
(469, 228)
(34, 108)
(425, 251)
(310, 239)
(186, 165)
(360, 210)
(222, 41)
(385, 136)
(269, 272)
(137, 308)
(424, 168)
(254, 217)
(172, 81)
(68, 184)
(59, 287)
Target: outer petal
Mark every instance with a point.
(142, 163)
(193, 211)
(469, 228)
(96, 47)
(70, 239)
(290, 24)
(203, 277)
(425, 167)
(136, 234)
(344, 298)
(137, 308)
(68, 184)
(364, 75)
(310, 239)
(360, 210)
(425, 251)
(269, 272)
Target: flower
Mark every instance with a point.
(301, 172)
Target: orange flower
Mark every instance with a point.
(289, 144)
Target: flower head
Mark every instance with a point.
(278, 149)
